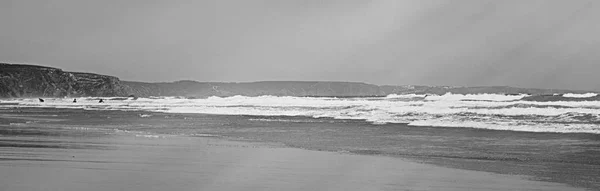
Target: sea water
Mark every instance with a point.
(484, 111)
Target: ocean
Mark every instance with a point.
(483, 111)
(555, 141)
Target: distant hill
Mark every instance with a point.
(276, 88)
(19, 80)
(439, 90)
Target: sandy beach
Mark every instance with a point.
(54, 152)
(130, 162)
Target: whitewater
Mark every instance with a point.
(485, 111)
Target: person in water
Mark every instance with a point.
(101, 101)
(74, 100)
(41, 100)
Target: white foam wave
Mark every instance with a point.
(480, 97)
(149, 136)
(489, 111)
(585, 95)
(405, 96)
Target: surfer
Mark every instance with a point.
(41, 100)
(101, 101)
(74, 100)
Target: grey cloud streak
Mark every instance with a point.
(533, 43)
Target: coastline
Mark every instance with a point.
(97, 125)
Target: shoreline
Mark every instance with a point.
(442, 162)
(135, 162)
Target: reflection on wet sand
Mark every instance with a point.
(93, 153)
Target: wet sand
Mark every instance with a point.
(130, 162)
(64, 150)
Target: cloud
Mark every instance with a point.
(535, 43)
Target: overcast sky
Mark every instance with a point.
(525, 43)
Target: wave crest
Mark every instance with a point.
(487, 111)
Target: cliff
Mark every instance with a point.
(19, 80)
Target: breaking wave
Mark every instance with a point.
(586, 95)
(486, 111)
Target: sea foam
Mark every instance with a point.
(586, 95)
(486, 111)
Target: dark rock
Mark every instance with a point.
(20, 80)
(98, 85)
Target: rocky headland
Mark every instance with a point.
(20, 80)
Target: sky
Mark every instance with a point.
(523, 43)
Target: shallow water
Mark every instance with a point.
(85, 154)
(554, 157)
